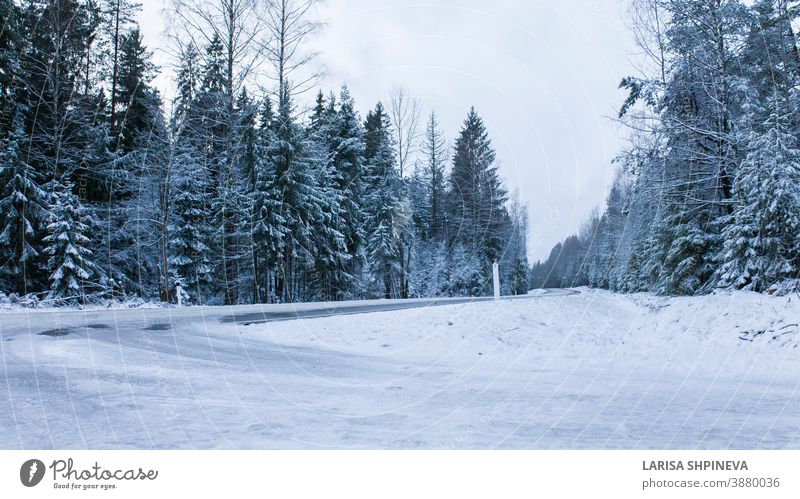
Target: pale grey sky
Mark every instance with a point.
(542, 73)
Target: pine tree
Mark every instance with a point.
(762, 243)
(189, 251)
(297, 200)
(187, 84)
(135, 99)
(386, 212)
(10, 47)
(477, 195)
(519, 277)
(769, 59)
(191, 182)
(68, 236)
(331, 260)
(345, 138)
(60, 34)
(514, 261)
(466, 273)
(435, 150)
(267, 241)
(217, 131)
(23, 213)
(140, 144)
(117, 16)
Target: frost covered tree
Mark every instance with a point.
(297, 201)
(59, 35)
(11, 44)
(344, 139)
(234, 200)
(514, 262)
(118, 16)
(140, 141)
(762, 242)
(190, 259)
(71, 263)
(386, 211)
(434, 149)
(478, 217)
(189, 186)
(137, 105)
(332, 258)
(266, 237)
(23, 215)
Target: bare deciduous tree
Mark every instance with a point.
(237, 24)
(290, 24)
(405, 111)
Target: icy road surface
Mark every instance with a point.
(591, 370)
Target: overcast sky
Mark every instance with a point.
(542, 73)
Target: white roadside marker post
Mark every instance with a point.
(496, 280)
(178, 293)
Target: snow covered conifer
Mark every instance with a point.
(73, 271)
(345, 138)
(23, 210)
(762, 243)
(331, 276)
(188, 230)
(477, 195)
(296, 200)
(435, 151)
(387, 216)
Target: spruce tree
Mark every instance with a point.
(10, 47)
(762, 242)
(135, 98)
(332, 259)
(74, 274)
(477, 196)
(297, 201)
(189, 249)
(346, 144)
(385, 211)
(435, 151)
(267, 241)
(23, 215)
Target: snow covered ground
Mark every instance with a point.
(593, 370)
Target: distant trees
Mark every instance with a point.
(463, 221)
(707, 193)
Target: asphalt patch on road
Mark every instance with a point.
(55, 332)
(98, 326)
(158, 327)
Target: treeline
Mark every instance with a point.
(238, 194)
(708, 194)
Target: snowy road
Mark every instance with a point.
(314, 310)
(593, 370)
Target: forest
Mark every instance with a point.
(243, 188)
(707, 194)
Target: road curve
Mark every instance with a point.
(348, 308)
(61, 321)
